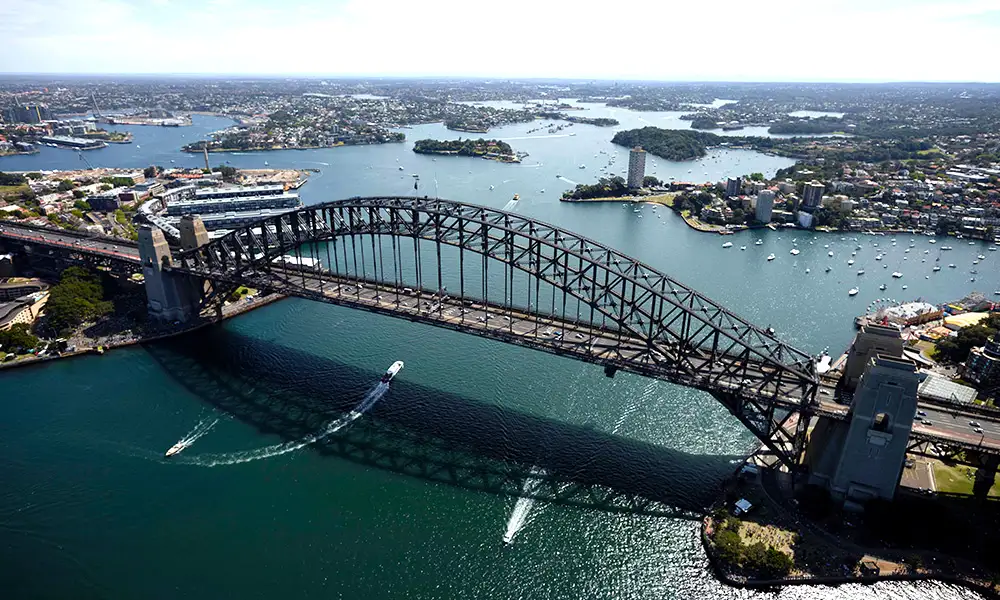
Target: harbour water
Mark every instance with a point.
(88, 508)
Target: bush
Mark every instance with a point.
(767, 562)
(11, 179)
(729, 546)
(17, 339)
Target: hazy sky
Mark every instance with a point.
(763, 40)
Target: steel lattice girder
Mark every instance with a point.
(676, 324)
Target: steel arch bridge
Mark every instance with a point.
(507, 277)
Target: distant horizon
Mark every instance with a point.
(483, 78)
(777, 41)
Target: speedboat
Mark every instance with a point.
(830, 253)
(882, 287)
(861, 272)
(850, 262)
(897, 274)
(758, 242)
(853, 292)
(392, 371)
(743, 247)
(175, 449)
(727, 245)
(770, 257)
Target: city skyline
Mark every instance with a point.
(775, 41)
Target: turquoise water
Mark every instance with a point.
(391, 505)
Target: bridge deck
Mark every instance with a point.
(581, 340)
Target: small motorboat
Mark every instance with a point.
(175, 449)
(853, 292)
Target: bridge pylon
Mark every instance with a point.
(169, 296)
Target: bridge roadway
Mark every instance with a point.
(947, 425)
(72, 240)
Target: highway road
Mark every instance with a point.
(82, 242)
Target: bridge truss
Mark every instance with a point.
(507, 277)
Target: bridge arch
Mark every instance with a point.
(622, 313)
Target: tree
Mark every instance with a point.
(11, 179)
(729, 546)
(81, 204)
(78, 194)
(65, 185)
(757, 176)
(228, 173)
(770, 563)
(17, 339)
(34, 176)
(105, 187)
(651, 181)
(149, 172)
(78, 297)
(956, 349)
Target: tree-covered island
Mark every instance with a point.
(489, 149)
(598, 121)
(671, 144)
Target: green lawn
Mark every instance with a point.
(12, 190)
(957, 479)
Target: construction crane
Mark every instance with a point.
(97, 111)
(84, 159)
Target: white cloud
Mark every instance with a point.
(631, 39)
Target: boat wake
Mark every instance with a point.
(511, 205)
(569, 181)
(199, 430)
(522, 509)
(244, 456)
(536, 137)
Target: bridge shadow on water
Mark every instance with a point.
(437, 436)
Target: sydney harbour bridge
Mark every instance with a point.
(497, 275)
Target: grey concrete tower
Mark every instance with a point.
(874, 449)
(169, 296)
(871, 340)
(193, 233)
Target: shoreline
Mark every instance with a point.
(891, 565)
(102, 349)
(665, 199)
(718, 569)
(230, 150)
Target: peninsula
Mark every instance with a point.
(489, 149)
